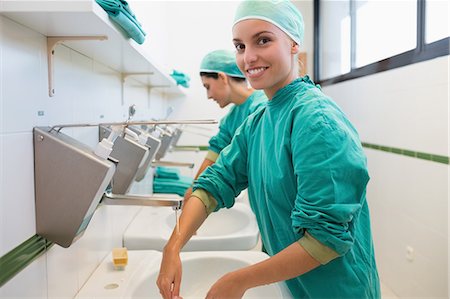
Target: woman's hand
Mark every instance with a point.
(228, 286)
(169, 279)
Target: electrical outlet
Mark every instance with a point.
(409, 253)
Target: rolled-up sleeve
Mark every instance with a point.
(331, 173)
(212, 156)
(207, 199)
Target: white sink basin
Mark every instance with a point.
(227, 229)
(200, 271)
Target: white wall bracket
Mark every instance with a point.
(124, 77)
(52, 42)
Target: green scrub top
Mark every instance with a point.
(234, 118)
(306, 174)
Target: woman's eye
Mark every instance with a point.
(263, 41)
(239, 47)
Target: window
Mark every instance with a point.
(355, 38)
(436, 25)
(384, 29)
(335, 41)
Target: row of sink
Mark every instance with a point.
(228, 229)
(200, 271)
(224, 243)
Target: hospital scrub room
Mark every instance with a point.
(224, 149)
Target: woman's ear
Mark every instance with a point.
(295, 48)
(223, 77)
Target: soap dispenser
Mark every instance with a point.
(69, 183)
(129, 154)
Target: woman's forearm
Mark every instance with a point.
(192, 217)
(291, 262)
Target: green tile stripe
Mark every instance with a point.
(404, 152)
(394, 150)
(21, 256)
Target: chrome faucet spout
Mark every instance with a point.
(143, 200)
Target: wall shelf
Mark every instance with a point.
(86, 18)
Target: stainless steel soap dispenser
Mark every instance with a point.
(69, 183)
(130, 155)
(153, 145)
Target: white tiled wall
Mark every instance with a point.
(406, 108)
(408, 200)
(17, 192)
(86, 92)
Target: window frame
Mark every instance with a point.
(422, 52)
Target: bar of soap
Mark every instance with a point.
(120, 257)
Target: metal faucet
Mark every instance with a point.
(175, 202)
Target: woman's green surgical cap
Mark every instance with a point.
(281, 13)
(221, 61)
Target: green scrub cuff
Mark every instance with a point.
(212, 156)
(323, 254)
(207, 199)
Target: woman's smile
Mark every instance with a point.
(253, 73)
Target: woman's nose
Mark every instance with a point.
(250, 56)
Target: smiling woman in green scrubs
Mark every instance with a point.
(305, 170)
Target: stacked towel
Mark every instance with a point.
(181, 78)
(167, 173)
(120, 12)
(169, 180)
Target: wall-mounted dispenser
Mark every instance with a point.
(176, 136)
(69, 183)
(153, 145)
(129, 154)
(70, 179)
(166, 141)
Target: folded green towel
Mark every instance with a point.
(120, 12)
(127, 8)
(172, 186)
(183, 181)
(181, 78)
(130, 27)
(167, 172)
(170, 189)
